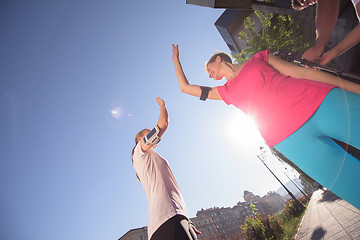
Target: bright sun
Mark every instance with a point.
(242, 129)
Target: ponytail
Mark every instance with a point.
(224, 58)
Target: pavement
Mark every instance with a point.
(329, 217)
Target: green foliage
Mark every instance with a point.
(260, 227)
(253, 228)
(291, 209)
(278, 33)
(254, 210)
(291, 226)
(273, 228)
(292, 223)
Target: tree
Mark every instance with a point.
(259, 227)
(280, 33)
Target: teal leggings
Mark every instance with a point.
(313, 151)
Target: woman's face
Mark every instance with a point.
(213, 69)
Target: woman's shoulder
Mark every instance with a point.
(262, 55)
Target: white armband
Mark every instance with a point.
(153, 136)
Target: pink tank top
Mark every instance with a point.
(279, 104)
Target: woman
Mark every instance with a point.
(298, 111)
(167, 211)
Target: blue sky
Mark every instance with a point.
(65, 162)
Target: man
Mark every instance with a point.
(168, 218)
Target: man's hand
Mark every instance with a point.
(195, 230)
(163, 121)
(326, 58)
(312, 53)
(160, 102)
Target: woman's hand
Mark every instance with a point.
(175, 49)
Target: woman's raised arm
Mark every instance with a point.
(185, 86)
(292, 70)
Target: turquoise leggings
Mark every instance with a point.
(313, 151)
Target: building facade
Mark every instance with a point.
(224, 223)
(135, 234)
(230, 23)
(242, 210)
(205, 224)
(275, 200)
(236, 4)
(227, 225)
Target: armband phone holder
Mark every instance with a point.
(204, 93)
(153, 136)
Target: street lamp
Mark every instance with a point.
(262, 157)
(297, 186)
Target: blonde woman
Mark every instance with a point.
(299, 111)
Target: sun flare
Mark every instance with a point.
(242, 129)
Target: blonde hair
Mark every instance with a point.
(224, 57)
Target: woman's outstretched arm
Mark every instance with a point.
(292, 70)
(185, 86)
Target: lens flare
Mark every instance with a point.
(115, 112)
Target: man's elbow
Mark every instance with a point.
(163, 124)
(163, 127)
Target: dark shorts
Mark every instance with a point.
(176, 228)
